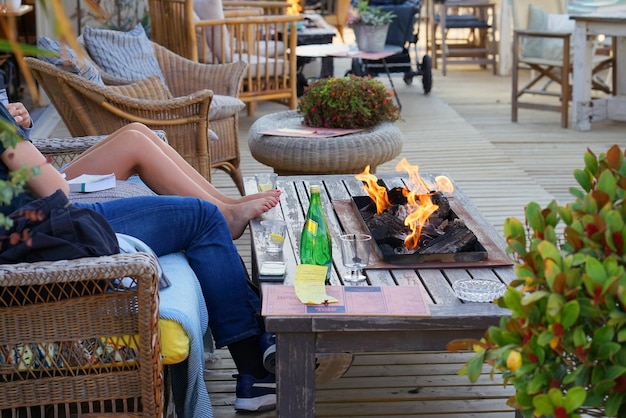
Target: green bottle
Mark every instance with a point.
(315, 244)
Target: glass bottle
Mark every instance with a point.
(315, 244)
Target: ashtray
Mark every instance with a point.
(477, 290)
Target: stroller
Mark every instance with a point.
(404, 32)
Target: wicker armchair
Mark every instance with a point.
(91, 109)
(266, 42)
(63, 324)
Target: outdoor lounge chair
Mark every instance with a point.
(88, 108)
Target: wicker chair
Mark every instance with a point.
(266, 42)
(91, 109)
(59, 319)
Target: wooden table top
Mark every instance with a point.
(437, 281)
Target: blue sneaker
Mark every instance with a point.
(268, 348)
(254, 395)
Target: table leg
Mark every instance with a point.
(581, 85)
(295, 375)
(393, 88)
(328, 67)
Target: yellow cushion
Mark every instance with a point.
(174, 342)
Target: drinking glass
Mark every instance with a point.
(355, 254)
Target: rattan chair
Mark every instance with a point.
(91, 109)
(65, 335)
(266, 42)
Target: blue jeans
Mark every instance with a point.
(169, 224)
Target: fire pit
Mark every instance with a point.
(416, 223)
(444, 238)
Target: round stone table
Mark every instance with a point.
(344, 154)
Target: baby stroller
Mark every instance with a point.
(404, 32)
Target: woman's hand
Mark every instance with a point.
(20, 114)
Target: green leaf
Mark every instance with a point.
(621, 335)
(555, 304)
(595, 270)
(556, 397)
(603, 335)
(513, 228)
(533, 297)
(613, 404)
(534, 216)
(583, 178)
(475, 366)
(591, 162)
(549, 251)
(545, 338)
(607, 184)
(512, 299)
(543, 405)
(574, 398)
(570, 313)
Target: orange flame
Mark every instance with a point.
(376, 192)
(419, 203)
(295, 7)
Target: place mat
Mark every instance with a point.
(496, 257)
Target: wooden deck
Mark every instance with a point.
(463, 129)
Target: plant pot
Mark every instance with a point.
(370, 38)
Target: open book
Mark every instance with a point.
(92, 182)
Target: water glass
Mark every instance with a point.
(266, 181)
(275, 231)
(355, 254)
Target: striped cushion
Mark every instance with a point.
(66, 59)
(127, 55)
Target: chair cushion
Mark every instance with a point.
(213, 10)
(128, 55)
(67, 60)
(546, 48)
(151, 88)
(224, 107)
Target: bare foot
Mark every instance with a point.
(260, 195)
(237, 216)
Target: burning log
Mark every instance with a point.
(416, 219)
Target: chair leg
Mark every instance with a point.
(514, 80)
(565, 96)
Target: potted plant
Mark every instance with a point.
(563, 346)
(347, 102)
(370, 25)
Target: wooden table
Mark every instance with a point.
(584, 109)
(300, 337)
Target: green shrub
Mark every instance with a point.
(563, 346)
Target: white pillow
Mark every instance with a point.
(553, 48)
(213, 10)
(546, 48)
(224, 106)
(128, 55)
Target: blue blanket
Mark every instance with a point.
(183, 303)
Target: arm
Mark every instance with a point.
(26, 155)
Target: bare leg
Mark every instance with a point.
(121, 138)
(131, 152)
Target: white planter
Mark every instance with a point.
(370, 38)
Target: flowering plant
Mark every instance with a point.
(348, 102)
(563, 346)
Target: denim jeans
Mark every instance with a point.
(169, 224)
